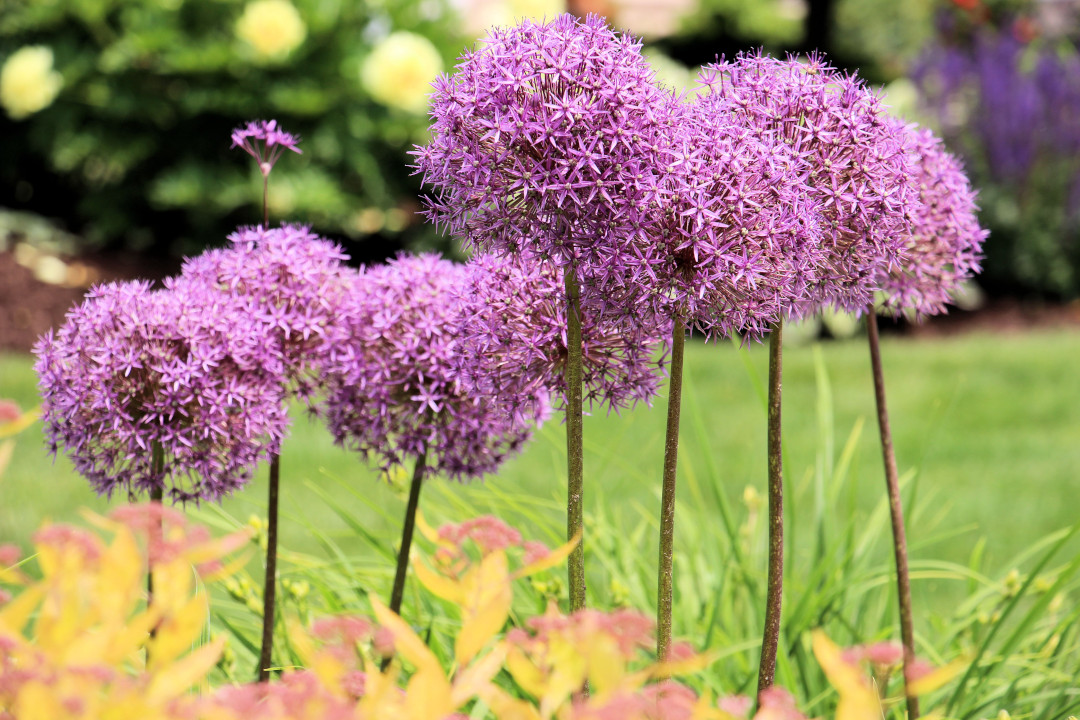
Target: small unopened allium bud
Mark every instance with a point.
(1012, 583)
(751, 498)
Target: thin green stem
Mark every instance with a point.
(270, 587)
(770, 639)
(574, 444)
(407, 534)
(266, 204)
(667, 502)
(896, 512)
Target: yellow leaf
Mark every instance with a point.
(16, 613)
(37, 701)
(177, 632)
(300, 641)
(16, 426)
(506, 707)
(218, 548)
(6, 449)
(488, 596)
(858, 701)
(227, 570)
(553, 558)
(438, 585)
(181, 675)
(938, 677)
(472, 681)
(427, 696)
(687, 666)
(525, 672)
(606, 665)
(406, 642)
(426, 530)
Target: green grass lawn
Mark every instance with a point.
(990, 425)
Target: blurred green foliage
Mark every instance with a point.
(772, 22)
(134, 151)
(882, 35)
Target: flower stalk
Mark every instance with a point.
(667, 502)
(896, 512)
(574, 440)
(771, 635)
(270, 586)
(407, 534)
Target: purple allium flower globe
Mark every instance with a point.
(266, 142)
(860, 173)
(737, 239)
(134, 370)
(292, 284)
(945, 246)
(394, 386)
(515, 323)
(549, 138)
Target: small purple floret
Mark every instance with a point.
(265, 141)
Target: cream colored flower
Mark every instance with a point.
(477, 16)
(28, 82)
(273, 27)
(400, 69)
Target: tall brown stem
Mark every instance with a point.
(574, 442)
(270, 586)
(667, 501)
(770, 639)
(154, 531)
(896, 512)
(407, 534)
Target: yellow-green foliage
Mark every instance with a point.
(80, 641)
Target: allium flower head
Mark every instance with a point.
(737, 235)
(549, 137)
(265, 141)
(516, 323)
(861, 176)
(133, 373)
(394, 386)
(291, 283)
(945, 245)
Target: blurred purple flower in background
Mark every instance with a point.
(1011, 109)
(135, 372)
(515, 324)
(945, 246)
(395, 390)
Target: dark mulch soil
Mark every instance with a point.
(29, 307)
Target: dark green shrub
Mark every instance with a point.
(134, 149)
